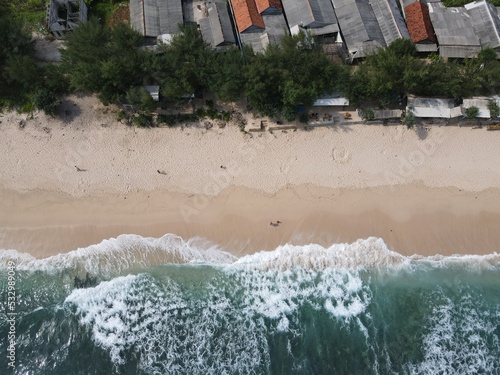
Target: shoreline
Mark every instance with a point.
(435, 221)
(72, 182)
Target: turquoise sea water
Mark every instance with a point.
(168, 306)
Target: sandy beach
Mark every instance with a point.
(435, 190)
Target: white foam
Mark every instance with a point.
(460, 335)
(113, 256)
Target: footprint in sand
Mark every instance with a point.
(340, 155)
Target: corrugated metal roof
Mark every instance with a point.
(156, 17)
(390, 20)
(331, 102)
(309, 13)
(216, 29)
(433, 107)
(486, 22)
(359, 27)
(247, 16)
(384, 114)
(455, 34)
(419, 23)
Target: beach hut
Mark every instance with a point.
(480, 103)
(433, 107)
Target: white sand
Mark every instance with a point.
(368, 163)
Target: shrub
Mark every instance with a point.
(368, 114)
(471, 112)
(143, 120)
(494, 109)
(409, 119)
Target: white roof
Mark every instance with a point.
(331, 102)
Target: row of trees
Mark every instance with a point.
(110, 62)
(397, 71)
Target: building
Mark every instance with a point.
(454, 31)
(390, 20)
(481, 104)
(269, 6)
(486, 23)
(433, 107)
(216, 29)
(359, 27)
(247, 17)
(259, 30)
(65, 15)
(156, 17)
(420, 27)
(309, 13)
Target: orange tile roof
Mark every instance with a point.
(246, 15)
(263, 5)
(419, 23)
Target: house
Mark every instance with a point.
(454, 31)
(255, 29)
(486, 23)
(359, 27)
(247, 16)
(480, 103)
(420, 27)
(311, 14)
(156, 17)
(390, 20)
(433, 107)
(269, 6)
(64, 15)
(216, 29)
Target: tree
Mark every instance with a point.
(183, 66)
(140, 97)
(295, 72)
(105, 61)
(45, 99)
(227, 78)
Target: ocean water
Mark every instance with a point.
(169, 306)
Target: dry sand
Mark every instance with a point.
(427, 191)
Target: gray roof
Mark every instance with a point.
(486, 22)
(216, 29)
(454, 31)
(276, 28)
(433, 107)
(309, 13)
(390, 20)
(156, 17)
(384, 114)
(61, 22)
(359, 27)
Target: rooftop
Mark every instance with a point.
(156, 17)
(486, 22)
(247, 16)
(419, 23)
